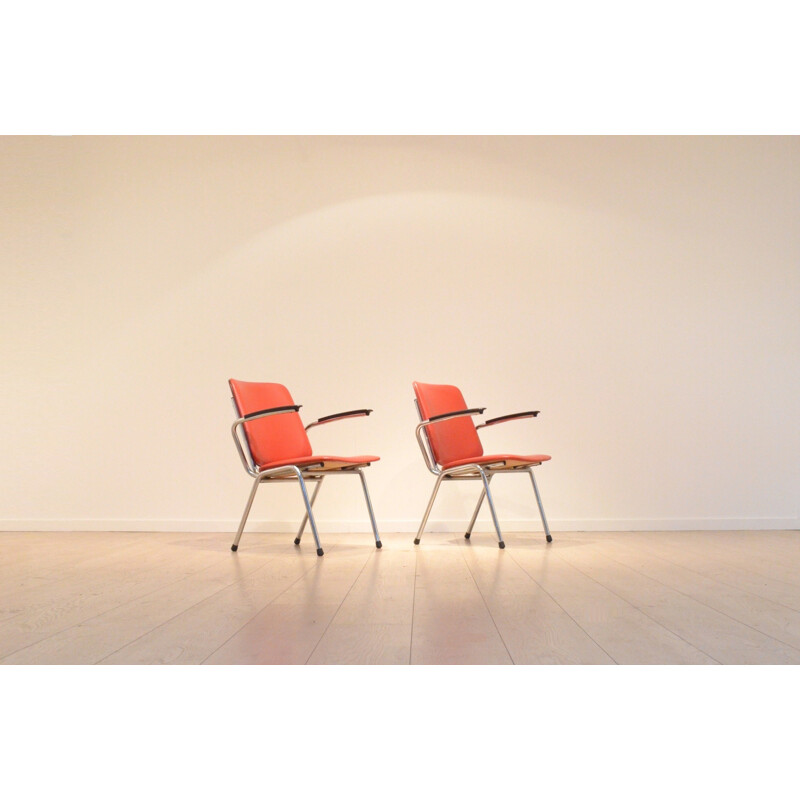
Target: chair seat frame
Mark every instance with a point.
(307, 473)
(473, 472)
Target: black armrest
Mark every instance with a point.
(267, 411)
(464, 413)
(359, 412)
(509, 417)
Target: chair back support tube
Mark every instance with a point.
(271, 438)
(452, 439)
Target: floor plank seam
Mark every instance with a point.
(248, 621)
(722, 560)
(756, 572)
(486, 605)
(588, 635)
(188, 608)
(71, 576)
(413, 606)
(641, 611)
(339, 607)
(704, 604)
(89, 619)
(166, 599)
(730, 585)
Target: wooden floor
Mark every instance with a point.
(588, 598)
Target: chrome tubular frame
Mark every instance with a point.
(279, 473)
(541, 507)
(475, 513)
(243, 448)
(311, 473)
(427, 452)
(466, 472)
(378, 542)
(305, 516)
(425, 447)
(319, 476)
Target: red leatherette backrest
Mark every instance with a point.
(277, 438)
(453, 439)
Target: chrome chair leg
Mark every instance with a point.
(541, 507)
(428, 509)
(475, 513)
(235, 545)
(308, 509)
(305, 516)
(378, 542)
(502, 544)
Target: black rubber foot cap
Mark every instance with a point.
(416, 541)
(549, 538)
(320, 551)
(502, 545)
(234, 547)
(379, 545)
(467, 535)
(297, 541)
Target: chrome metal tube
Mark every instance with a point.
(308, 508)
(429, 462)
(427, 453)
(247, 508)
(475, 513)
(428, 509)
(369, 508)
(247, 460)
(541, 507)
(491, 507)
(305, 516)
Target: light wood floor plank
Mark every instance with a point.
(80, 597)
(58, 573)
(54, 567)
(373, 625)
(772, 619)
(534, 628)
(451, 624)
(718, 635)
(707, 561)
(106, 633)
(629, 597)
(770, 556)
(622, 630)
(289, 626)
(192, 636)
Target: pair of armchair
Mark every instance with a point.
(274, 446)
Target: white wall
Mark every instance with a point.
(644, 293)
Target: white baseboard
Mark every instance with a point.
(403, 525)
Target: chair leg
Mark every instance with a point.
(541, 507)
(308, 510)
(235, 545)
(428, 509)
(475, 513)
(378, 543)
(488, 493)
(305, 516)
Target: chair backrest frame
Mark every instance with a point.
(274, 438)
(425, 443)
(449, 440)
